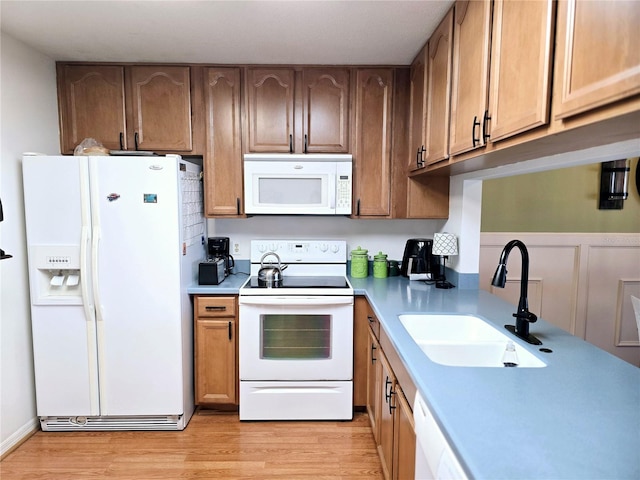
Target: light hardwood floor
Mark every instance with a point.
(213, 446)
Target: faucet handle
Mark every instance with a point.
(527, 316)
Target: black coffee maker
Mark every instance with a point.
(219, 249)
(417, 258)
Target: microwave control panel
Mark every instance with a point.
(344, 188)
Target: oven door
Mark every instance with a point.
(296, 337)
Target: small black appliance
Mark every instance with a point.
(218, 247)
(211, 272)
(417, 258)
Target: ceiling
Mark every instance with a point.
(353, 32)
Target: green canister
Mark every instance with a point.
(359, 263)
(380, 265)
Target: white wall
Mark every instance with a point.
(29, 122)
(388, 236)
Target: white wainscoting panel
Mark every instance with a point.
(588, 282)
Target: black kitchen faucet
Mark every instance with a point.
(523, 316)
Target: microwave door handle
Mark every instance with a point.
(332, 191)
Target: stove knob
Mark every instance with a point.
(324, 247)
(262, 248)
(274, 247)
(335, 248)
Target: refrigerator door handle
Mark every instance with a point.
(89, 311)
(94, 273)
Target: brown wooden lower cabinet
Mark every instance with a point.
(389, 410)
(404, 441)
(216, 347)
(386, 419)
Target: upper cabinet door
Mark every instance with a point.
(417, 105)
(325, 93)
(470, 77)
(91, 105)
(270, 105)
(373, 114)
(598, 53)
(520, 66)
(439, 91)
(160, 108)
(223, 156)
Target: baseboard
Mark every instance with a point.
(19, 437)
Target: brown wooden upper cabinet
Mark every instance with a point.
(520, 79)
(439, 92)
(223, 155)
(160, 108)
(298, 111)
(125, 107)
(470, 76)
(91, 105)
(598, 54)
(372, 144)
(417, 109)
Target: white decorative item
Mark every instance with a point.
(444, 244)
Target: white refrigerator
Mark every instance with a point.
(113, 244)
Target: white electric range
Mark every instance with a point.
(296, 339)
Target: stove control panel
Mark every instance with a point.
(301, 251)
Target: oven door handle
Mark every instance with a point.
(296, 301)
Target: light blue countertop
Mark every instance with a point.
(229, 286)
(576, 418)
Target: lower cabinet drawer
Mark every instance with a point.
(215, 306)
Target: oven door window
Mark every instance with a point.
(299, 336)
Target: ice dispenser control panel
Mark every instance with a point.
(57, 269)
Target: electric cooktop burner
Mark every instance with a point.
(304, 282)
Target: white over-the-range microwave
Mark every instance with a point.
(298, 184)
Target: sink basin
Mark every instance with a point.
(464, 341)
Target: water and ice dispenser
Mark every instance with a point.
(57, 270)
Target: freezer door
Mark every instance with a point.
(57, 217)
(137, 250)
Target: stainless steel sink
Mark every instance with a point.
(465, 341)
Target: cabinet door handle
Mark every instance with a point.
(370, 318)
(476, 123)
(358, 208)
(305, 143)
(290, 143)
(135, 140)
(485, 125)
(238, 205)
(230, 331)
(388, 384)
(121, 141)
(373, 349)
(419, 159)
(391, 407)
(215, 308)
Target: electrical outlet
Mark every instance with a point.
(236, 248)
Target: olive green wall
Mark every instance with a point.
(564, 200)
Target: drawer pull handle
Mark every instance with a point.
(215, 308)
